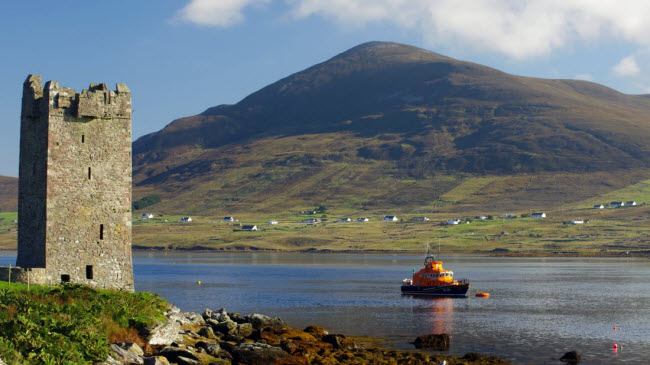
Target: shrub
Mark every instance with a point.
(71, 323)
(146, 201)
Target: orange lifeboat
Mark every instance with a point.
(482, 294)
(434, 280)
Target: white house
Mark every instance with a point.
(616, 204)
(273, 222)
(509, 215)
(186, 219)
(311, 212)
(362, 219)
(453, 222)
(229, 219)
(146, 216)
(390, 218)
(481, 217)
(631, 203)
(538, 215)
(420, 219)
(249, 227)
(577, 221)
(311, 220)
(344, 220)
(599, 206)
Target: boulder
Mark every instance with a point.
(182, 360)
(131, 347)
(163, 333)
(316, 331)
(207, 314)
(237, 317)
(212, 323)
(207, 332)
(187, 318)
(339, 342)
(125, 357)
(257, 354)
(226, 327)
(571, 358)
(439, 342)
(109, 361)
(244, 329)
(210, 347)
(173, 353)
(172, 310)
(261, 322)
(235, 338)
(156, 360)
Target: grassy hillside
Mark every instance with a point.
(8, 194)
(70, 324)
(289, 174)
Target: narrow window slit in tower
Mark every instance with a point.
(101, 231)
(89, 174)
(82, 138)
(89, 272)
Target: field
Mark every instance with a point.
(608, 231)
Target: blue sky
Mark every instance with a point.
(181, 57)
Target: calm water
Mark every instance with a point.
(539, 308)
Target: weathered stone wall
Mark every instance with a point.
(20, 275)
(87, 234)
(32, 175)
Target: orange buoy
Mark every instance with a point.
(482, 294)
(614, 328)
(615, 346)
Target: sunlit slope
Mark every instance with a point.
(280, 176)
(8, 194)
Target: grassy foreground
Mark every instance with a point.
(70, 324)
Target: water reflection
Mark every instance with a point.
(439, 313)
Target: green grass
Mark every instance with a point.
(70, 324)
(612, 231)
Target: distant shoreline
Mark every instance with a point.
(200, 249)
(137, 248)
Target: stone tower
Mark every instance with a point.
(74, 194)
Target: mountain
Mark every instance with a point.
(358, 125)
(8, 194)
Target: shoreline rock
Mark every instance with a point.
(218, 337)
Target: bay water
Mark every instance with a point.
(538, 309)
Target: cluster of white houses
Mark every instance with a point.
(618, 204)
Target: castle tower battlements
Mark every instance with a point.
(74, 194)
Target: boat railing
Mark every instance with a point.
(463, 281)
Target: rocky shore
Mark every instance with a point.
(218, 337)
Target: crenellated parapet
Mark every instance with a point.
(95, 102)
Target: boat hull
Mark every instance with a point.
(457, 291)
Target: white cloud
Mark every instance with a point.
(518, 29)
(627, 67)
(515, 28)
(216, 13)
(584, 77)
